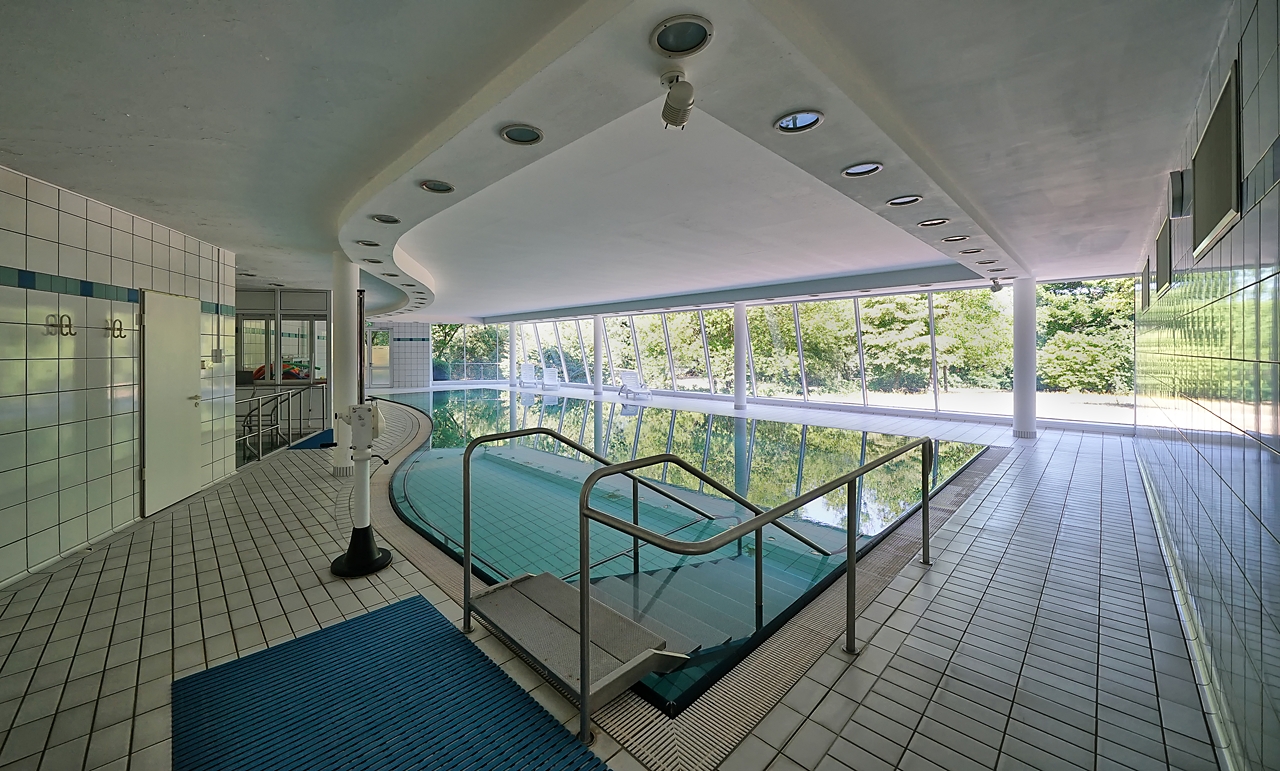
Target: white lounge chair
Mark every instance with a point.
(528, 376)
(631, 385)
(550, 379)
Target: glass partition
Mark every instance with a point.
(257, 356)
(898, 352)
(1084, 342)
(974, 333)
(655, 366)
(719, 326)
(586, 330)
(829, 336)
(448, 351)
(484, 352)
(295, 349)
(687, 351)
(622, 350)
(320, 370)
(774, 351)
(571, 352)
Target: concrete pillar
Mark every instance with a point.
(1024, 358)
(597, 334)
(342, 370)
(739, 356)
(512, 364)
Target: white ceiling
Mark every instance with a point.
(635, 210)
(1043, 130)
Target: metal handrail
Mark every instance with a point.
(277, 398)
(708, 545)
(466, 501)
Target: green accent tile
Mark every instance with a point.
(8, 276)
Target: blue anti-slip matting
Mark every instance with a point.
(315, 441)
(397, 688)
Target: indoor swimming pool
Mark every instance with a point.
(525, 496)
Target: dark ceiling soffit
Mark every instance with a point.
(890, 279)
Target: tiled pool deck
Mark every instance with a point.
(1033, 642)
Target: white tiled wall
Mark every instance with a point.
(410, 355)
(69, 412)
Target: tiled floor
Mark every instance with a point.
(1045, 636)
(1033, 642)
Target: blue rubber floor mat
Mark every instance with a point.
(397, 688)
(315, 441)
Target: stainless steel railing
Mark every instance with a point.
(636, 482)
(263, 419)
(706, 546)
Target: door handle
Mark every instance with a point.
(194, 398)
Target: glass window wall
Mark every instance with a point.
(898, 351)
(655, 363)
(775, 353)
(571, 353)
(256, 353)
(622, 348)
(719, 326)
(829, 336)
(974, 335)
(688, 352)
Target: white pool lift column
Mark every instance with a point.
(346, 351)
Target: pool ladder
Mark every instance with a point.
(541, 605)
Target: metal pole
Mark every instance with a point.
(584, 629)
(926, 471)
(851, 571)
(759, 579)
(466, 543)
(635, 519)
(360, 335)
(862, 358)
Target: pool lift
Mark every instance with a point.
(363, 556)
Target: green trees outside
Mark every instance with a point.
(974, 331)
(895, 338)
(1084, 333)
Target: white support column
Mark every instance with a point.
(739, 356)
(511, 356)
(342, 370)
(1024, 358)
(431, 358)
(597, 335)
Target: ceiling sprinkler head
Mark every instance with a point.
(679, 104)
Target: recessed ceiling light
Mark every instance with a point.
(419, 292)
(386, 219)
(987, 262)
(926, 285)
(955, 239)
(864, 291)
(996, 270)
(971, 251)
(905, 200)
(813, 295)
(249, 275)
(275, 284)
(372, 260)
(391, 275)
(363, 242)
(681, 36)
(408, 285)
(933, 223)
(435, 186)
(864, 169)
(798, 122)
(521, 134)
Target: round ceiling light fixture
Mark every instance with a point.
(971, 251)
(932, 223)
(372, 260)
(798, 122)
(681, 36)
(905, 200)
(954, 239)
(419, 292)
(249, 275)
(408, 285)
(864, 169)
(273, 284)
(386, 219)
(435, 186)
(996, 270)
(987, 262)
(391, 275)
(364, 242)
(521, 134)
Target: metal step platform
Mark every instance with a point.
(537, 616)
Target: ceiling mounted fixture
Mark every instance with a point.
(521, 134)
(364, 242)
(275, 284)
(798, 122)
(386, 219)
(419, 292)
(971, 251)
(678, 105)
(995, 285)
(996, 270)
(954, 239)
(681, 36)
(372, 260)
(391, 275)
(987, 262)
(864, 169)
(248, 275)
(408, 285)
(932, 223)
(905, 200)
(436, 186)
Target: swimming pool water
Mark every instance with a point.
(525, 500)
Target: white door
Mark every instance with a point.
(171, 458)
